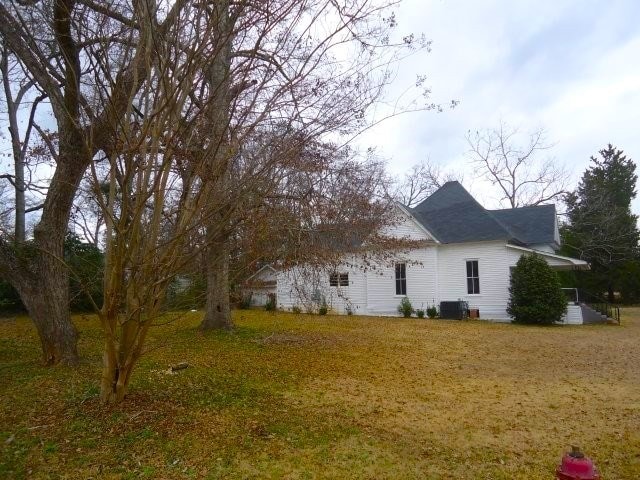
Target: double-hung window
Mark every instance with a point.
(339, 280)
(473, 277)
(401, 278)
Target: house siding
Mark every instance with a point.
(371, 290)
(260, 293)
(494, 262)
(421, 271)
(304, 288)
(407, 228)
(435, 273)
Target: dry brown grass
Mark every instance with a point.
(289, 396)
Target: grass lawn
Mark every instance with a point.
(299, 396)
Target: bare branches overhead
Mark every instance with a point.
(421, 181)
(518, 165)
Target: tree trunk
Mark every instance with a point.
(115, 379)
(610, 293)
(218, 310)
(41, 277)
(48, 306)
(20, 230)
(123, 348)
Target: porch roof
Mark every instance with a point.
(558, 261)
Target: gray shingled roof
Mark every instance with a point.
(530, 225)
(452, 215)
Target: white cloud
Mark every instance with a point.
(570, 67)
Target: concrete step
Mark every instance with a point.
(589, 315)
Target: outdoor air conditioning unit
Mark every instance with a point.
(454, 310)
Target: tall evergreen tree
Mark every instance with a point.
(602, 229)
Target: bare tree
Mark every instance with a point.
(518, 168)
(62, 44)
(19, 93)
(421, 181)
(171, 93)
(286, 71)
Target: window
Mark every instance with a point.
(473, 278)
(401, 278)
(339, 279)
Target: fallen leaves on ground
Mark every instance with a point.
(303, 396)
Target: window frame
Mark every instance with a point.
(472, 281)
(400, 278)
(339, 279)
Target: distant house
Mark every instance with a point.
(466, 253)
(261, 285)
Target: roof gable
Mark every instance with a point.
(452, 215)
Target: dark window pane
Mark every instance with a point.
(469, 269)
(401, 278)
(476, 285)
(475, 268)
(344, 279)
(469, 285)
(333, 280)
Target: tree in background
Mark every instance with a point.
(85, 261)
(421, 181)
(535, 294)
(514, 164)
(601, 228)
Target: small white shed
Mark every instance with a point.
(261, 285)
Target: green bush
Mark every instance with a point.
(432, 312)
(420, 313)
(323, 309)
(405, 307)
(270, 305)
(187, 292)
(245, 302)
(535, 292)
(86, 269)
(9, 299)
(296, 309)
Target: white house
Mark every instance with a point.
(261, 285)
(466, 254)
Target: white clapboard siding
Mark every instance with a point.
(306, 288)
(256, 288)
(422, 272)
(435, 273)
(406, 227)
(494, 262)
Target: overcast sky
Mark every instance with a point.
(571, 67)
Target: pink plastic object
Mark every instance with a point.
(575, 466)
